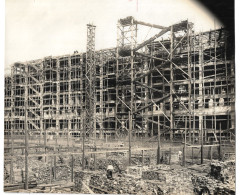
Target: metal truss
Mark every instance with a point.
(90, 79)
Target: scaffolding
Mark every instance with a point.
(176, 85)
(175, 74)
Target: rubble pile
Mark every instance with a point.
(136, 170)
(103, 163)
(223, 171)
(210, 185)
(220, 180)
(40, 173)
(156, 181)
(153, 175)
(63, 172)
(79, 177)
(6, 175)
(119, 185)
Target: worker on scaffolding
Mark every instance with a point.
(110, 171)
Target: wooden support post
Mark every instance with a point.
(185, 143)
(69, 125)
(211, 153)
(72, 168)
(201, 142)
(83, 140)
(11, 170)
(192, 155)
(220, 142)
(129, 138)
(159, 142)
(26, 136)
(55, 164)
(51, 170)
(12, 154)
(45, 138)
(190, 81)
(170, 153)
(171, 85)
(95, 160)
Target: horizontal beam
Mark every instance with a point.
(148, 56)
(152, 121)
(148, 24)
(176, 27)
(152, 38)
(139, 83)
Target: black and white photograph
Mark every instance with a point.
(119, 97)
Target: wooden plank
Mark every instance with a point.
(90, 191)
(100, 189)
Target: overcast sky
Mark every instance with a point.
(38, 28)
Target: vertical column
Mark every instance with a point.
(194, 86)
(171, 85)
(13, 120)
(58, 97)
(145, 112)
(90, 78)
(185, 142)
(101, 95)
(41, 101)
(189, 79)
(117, 86)
(159, 142)
(132, 92)
(201, 97)
(69, 101)
(26, 128)
(215, 77)
(81, 93)
(201, 131)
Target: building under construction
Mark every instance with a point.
(176, 84)
(162, 81)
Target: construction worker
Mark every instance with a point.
(109, 171)
(180, 156)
